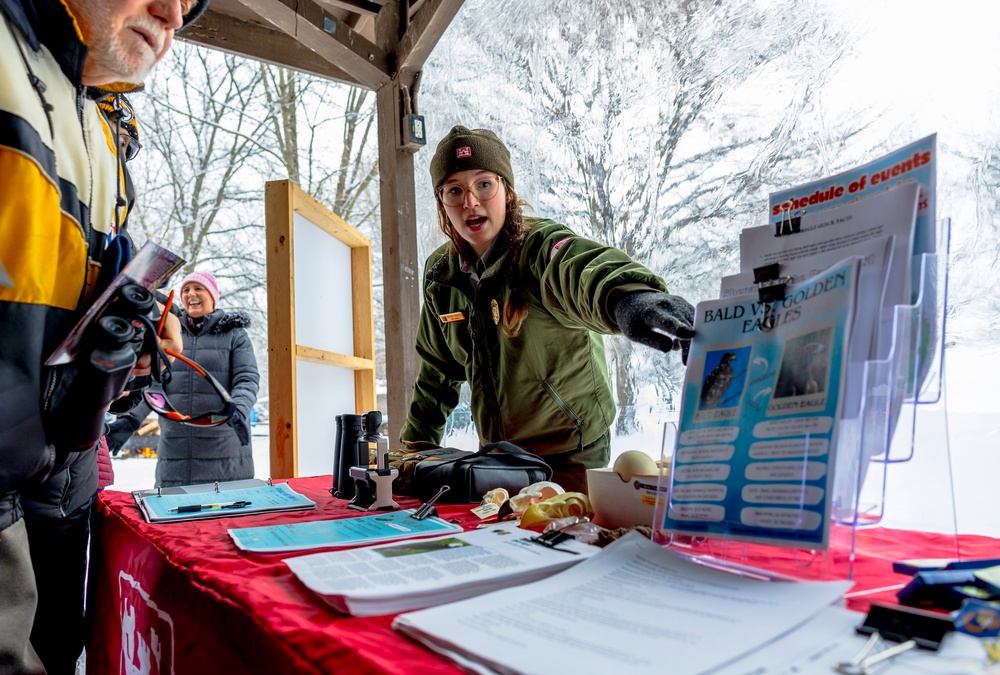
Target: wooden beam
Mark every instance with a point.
(306, 21)
(363, 306)
(401, 285)
(279, 228)
(247, 38)
(327, 220)
(333, 358)
(423, 33)
(357, 6)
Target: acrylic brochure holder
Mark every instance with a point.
(892, 467)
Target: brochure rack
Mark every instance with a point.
(885, 454)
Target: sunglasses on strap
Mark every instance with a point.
(160, 403)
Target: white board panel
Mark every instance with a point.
(324, 311)
(323, 393)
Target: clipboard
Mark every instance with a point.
(160, 505)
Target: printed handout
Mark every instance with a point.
(420, 573)
(888, 213)
(633, 608)
(762, 394)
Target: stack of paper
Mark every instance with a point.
(633, 608)
(427, 572)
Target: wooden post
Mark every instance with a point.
(399, 235)
(281, 328)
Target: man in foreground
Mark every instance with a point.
(57, 209)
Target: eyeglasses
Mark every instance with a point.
(161, 405)
(484, 188)
(132, 149)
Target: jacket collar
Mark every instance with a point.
(448, 267)
(58, 31)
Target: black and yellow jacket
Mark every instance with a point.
(546, 390)
(57, 204)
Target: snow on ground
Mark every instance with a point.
(138, 473)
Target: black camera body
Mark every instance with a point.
(87, 387)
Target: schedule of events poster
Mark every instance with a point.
(762, 395)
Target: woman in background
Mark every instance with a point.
(216, 340)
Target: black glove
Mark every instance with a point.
(120, 431)
(123, 404)
(657, 320)
(240, 426)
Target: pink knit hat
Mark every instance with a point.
(206, 280)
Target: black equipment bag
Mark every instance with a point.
(469, 475)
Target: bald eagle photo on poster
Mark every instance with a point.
(722, 386)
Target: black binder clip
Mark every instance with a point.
(427, 509)
(788, 224)
(552, 539)
(770, 284)
(909, 628)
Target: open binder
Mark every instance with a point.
(902, 419)
(218, 500)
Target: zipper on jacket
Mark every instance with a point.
(50, 389)
(489, 386)
(566, 409)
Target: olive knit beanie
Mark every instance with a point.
(463, 149)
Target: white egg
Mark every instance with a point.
(634, 463)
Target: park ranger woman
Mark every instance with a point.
(516, 307)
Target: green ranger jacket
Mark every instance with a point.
(547, 390)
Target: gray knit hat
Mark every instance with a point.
(463, 149)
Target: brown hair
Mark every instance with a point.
(515, 307)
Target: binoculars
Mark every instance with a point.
(87, 387)
(355, 433)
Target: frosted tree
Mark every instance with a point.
(198, 192)
(215, 128)
(642, 125)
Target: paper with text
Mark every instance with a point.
(634, 608)
(370, 529)
(393, 578)
(763, 391)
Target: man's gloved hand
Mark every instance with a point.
(119, 432)
(240, 426)
(657, 320)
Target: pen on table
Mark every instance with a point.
(163, 316)
(194, 508)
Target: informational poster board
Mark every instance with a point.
(321, 333)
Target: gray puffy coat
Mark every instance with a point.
(188, 454)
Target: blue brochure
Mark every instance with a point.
(763, 392)
(372, 529)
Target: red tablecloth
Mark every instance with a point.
(181, 598)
